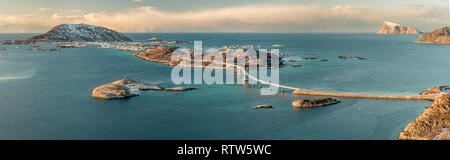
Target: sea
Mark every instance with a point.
(46, 95)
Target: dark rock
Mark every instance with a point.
(353, 57)
(309, 58)
(314, 103)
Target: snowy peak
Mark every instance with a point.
(80, 32)
(394, 28)
(391, 24)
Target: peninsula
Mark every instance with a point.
(438, 36)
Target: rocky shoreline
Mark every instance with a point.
(434, 122)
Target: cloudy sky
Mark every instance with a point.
(223, 15)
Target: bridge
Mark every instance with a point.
(300, 91)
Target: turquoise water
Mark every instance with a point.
(45, 95)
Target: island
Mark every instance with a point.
(126, 88)
(163, 54)
(320, 102)
(389, 28)
(79, 32)
(438, 36)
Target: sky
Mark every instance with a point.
(290, 16)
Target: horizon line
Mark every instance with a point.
(212, 32)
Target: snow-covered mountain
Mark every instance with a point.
(79, 32)
(394, 28)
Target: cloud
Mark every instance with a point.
(252, 18)
(44, 9)
(137, 0)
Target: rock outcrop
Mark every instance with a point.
(126, 88)
(438, 36)
(79, 32)
(264, 106)
(434, 122)
(304, 103)
(112, 91)
(394, 28)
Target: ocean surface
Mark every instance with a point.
(45, 95)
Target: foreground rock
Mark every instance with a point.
(434, 122)
(314, 103)
(79, 32)
(394, 28)
(126, 88)
(264, 106)
(438, 36)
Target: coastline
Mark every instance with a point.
(134, 47)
